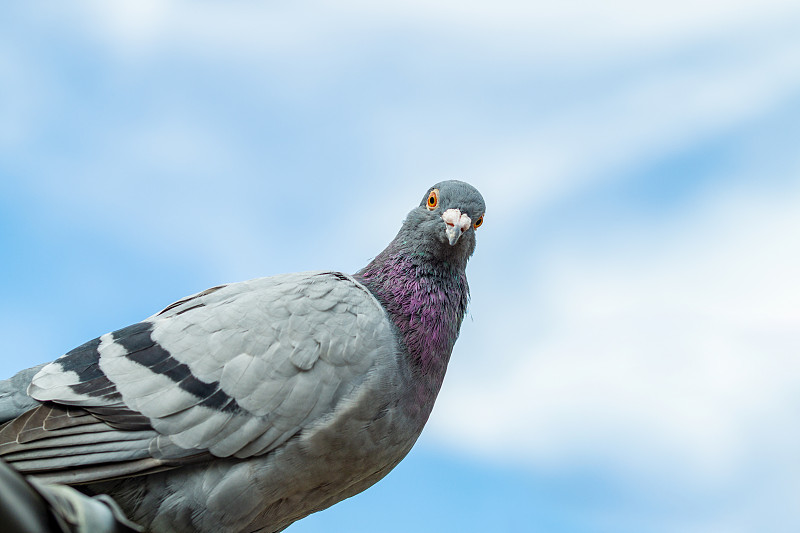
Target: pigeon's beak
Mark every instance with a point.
(457, 223)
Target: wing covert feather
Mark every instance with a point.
(234, 371)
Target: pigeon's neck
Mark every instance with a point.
(426, 299)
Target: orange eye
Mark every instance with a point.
(433, 199)
(478, 223)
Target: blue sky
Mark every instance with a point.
(629, 363)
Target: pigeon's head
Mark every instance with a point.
(447, 218)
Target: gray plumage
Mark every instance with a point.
(250, 405)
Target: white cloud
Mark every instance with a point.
(547, 31)
(598, 134)
(671, 354)
(743, 63)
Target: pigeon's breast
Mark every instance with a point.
(349, 451)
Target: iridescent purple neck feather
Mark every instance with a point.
(425, 298)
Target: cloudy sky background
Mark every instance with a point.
(630, 361)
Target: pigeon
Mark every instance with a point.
(248, 406)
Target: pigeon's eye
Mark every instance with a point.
(433, 199)
(478, 223)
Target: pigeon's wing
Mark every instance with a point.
(232, 371)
